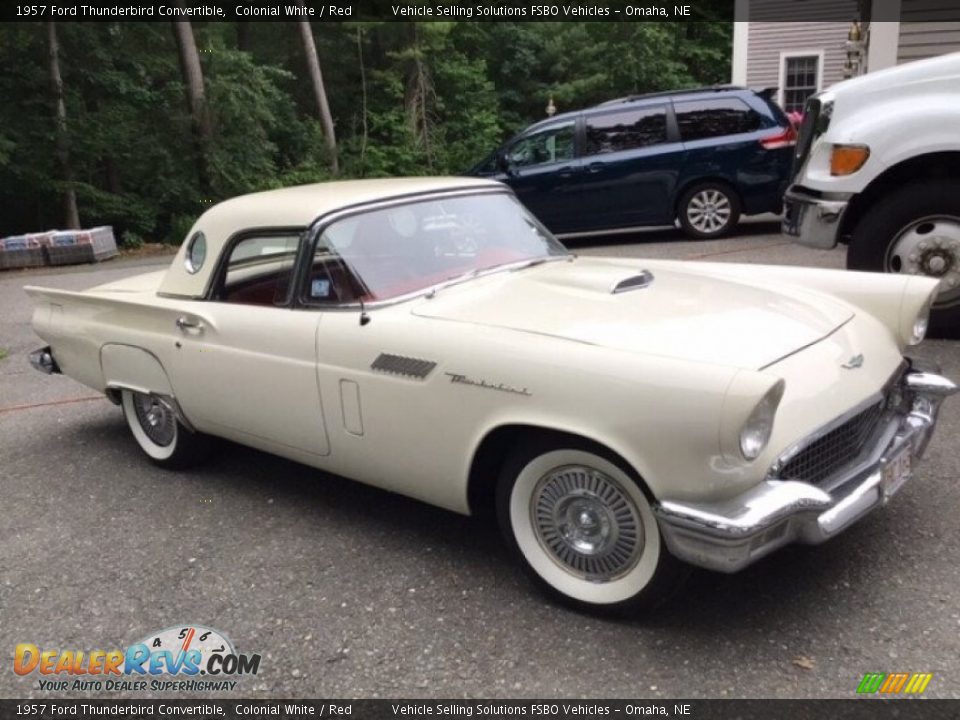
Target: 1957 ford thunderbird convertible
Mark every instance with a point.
(430, 337)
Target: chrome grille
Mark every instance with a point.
(824, 456)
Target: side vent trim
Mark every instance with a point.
(399, 365)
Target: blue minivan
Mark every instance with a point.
(698, 157)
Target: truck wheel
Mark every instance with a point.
(915, 230)
(583, 528)
(160, 435)
(709, 210)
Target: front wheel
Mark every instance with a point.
(584, 530)
(709, 210)
(915, 230)
(159, 434)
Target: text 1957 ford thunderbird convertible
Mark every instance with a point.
(430, 337)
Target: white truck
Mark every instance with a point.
(877, 167)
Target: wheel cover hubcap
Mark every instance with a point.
(155, 418)
(709, 211)
(929, 246)
(587, 523)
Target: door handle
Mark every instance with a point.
(595, 167)
(184, 323)
(565, 172)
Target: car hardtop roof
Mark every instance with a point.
(300, 205)
(294, 207)
(687, 94)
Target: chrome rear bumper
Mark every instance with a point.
(43, 361)
(729, 535)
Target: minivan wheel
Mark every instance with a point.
(708, 210)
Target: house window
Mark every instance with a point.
(801, 79)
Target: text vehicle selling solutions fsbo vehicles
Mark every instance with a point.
(430, 337)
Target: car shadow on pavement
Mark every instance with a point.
(795, 581)
(790, 587)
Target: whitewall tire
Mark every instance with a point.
(160, 434)
(583, 527)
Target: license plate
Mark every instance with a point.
(897, 471)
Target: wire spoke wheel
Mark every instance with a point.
(583, 527)
(154, 424)
(587, 523)
(155, 418)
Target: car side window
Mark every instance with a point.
(330, 281)
(626, 130)
(259, 270)
(550, 145)
(699, 119)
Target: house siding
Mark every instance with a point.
(768, 39)
(923, 33)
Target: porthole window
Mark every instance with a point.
(196, 252)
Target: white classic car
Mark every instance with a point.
(430, 337)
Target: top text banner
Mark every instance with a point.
(372, 10)
(478, 10)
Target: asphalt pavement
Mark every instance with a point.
(348, 591)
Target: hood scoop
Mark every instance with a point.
(636, 282)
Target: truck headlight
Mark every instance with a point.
(755, 433)
(847, 159)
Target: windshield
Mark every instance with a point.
(390, 252)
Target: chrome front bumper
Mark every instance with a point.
(732, 534)
(811, 220)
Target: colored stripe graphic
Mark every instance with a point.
(871, 682)
(918, 683)
(894, 683)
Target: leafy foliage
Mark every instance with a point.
(407, 99)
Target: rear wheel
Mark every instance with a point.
(709, 210)
(159, 434)
(583, 529)
(915, 230)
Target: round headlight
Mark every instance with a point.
(756, 431)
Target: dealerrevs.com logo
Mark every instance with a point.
(186, 658)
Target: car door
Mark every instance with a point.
(631, 164)
(542, 169)
(724, 139)
(245, 365)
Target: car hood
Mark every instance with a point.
(680, 314)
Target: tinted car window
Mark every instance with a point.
(700, 119)
(553, 144)
(626, 130)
